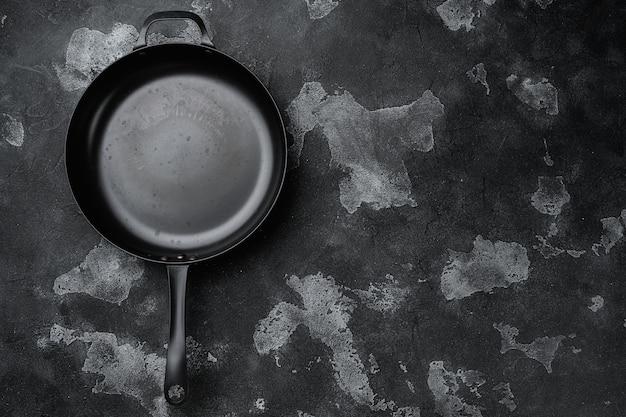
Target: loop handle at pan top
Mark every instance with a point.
(142, 41)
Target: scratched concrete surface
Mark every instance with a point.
(449, 242)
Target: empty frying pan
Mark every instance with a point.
(176, 153)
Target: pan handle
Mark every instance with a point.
(176, 387)
(173, 15)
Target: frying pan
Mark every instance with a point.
(176, 153)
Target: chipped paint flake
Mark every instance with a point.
(445, 386)
(542, 349)
(409, 411)
(200, 7)
(11, 130)
(127, 369)
(320, 8)
(546, 249)
(550, 196)
(597, 303)
(360, 142)
(612, 233)
(374, 368)
(410, 386)
(539, 95)
(91, 51)
(107, 274)
(259, 405)
(504, 389)
(547, 159)
(488, 266)
(478, 74)
(383, 296)
(544, 3)
(325, 312)
(456, 14)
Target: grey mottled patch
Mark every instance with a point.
(550, 196)
(368, 145)
(320, 8)
(11, 130)
(127, 369)
(445, 387)
(540, 95)
(478, 74)
(107, 274)
(488, 266)
(504, 388)
(542, 349)
(597, 303)
(612, 233)
(325, 312)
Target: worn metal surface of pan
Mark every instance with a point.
(176, 153)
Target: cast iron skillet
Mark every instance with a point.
(176, 153)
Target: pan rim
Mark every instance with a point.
(272, 194)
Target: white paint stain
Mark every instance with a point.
(2, 20)
(445, 387)
(366, 144)
(612, 232)
(107, 274)
(550, 196)
(488, 266)
(11, 130)
(303, 414)
(542, 349)
(127, 369)
(383, 296)
(91, 51)
(325, 312)
(539, 95)
(597, 303)
(456, 14)
(320, 8)
(478, 74)
(504, 388)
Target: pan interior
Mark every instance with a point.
(183, 164)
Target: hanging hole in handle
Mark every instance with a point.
(142, 41)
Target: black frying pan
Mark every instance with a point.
(176, 153)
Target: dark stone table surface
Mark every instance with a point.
(449, 240)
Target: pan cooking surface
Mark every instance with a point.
(185, 160)
(176, 153)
